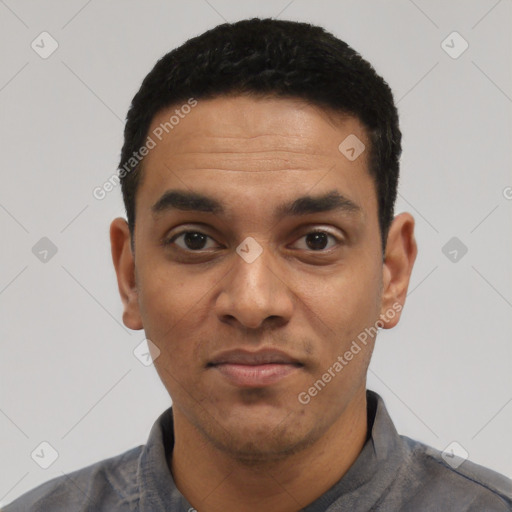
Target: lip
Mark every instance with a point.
(254, 369)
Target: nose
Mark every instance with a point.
(255, 293)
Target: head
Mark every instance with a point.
(252, 227)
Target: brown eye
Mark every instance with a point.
(318, 241)
(191, 240)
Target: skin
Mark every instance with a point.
(248, 449)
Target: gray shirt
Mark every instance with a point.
(392, 473)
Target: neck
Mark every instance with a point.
(213, 481)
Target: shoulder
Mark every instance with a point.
(110, 484)
(458, 484)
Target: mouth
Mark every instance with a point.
(254, 369)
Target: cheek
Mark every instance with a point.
(166, 306)
(347, 305)
(345, 302)
(167, 295)
(175, 310)
(167, 313)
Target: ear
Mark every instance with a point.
(124, 264)
(401, 250)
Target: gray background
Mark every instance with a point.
(68, 373)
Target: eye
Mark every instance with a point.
(317, 240)
(192, 241)
(196, 241)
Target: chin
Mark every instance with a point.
(259, 438)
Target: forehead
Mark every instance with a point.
(244, 123)
(241, 146)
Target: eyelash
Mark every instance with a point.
(169, 242)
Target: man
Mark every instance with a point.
(261, 256)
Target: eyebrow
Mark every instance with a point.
(304, 205)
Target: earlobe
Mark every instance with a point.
(401, 251)
(124, 265)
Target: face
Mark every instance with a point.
(257, 265)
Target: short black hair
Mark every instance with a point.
(269, 57)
